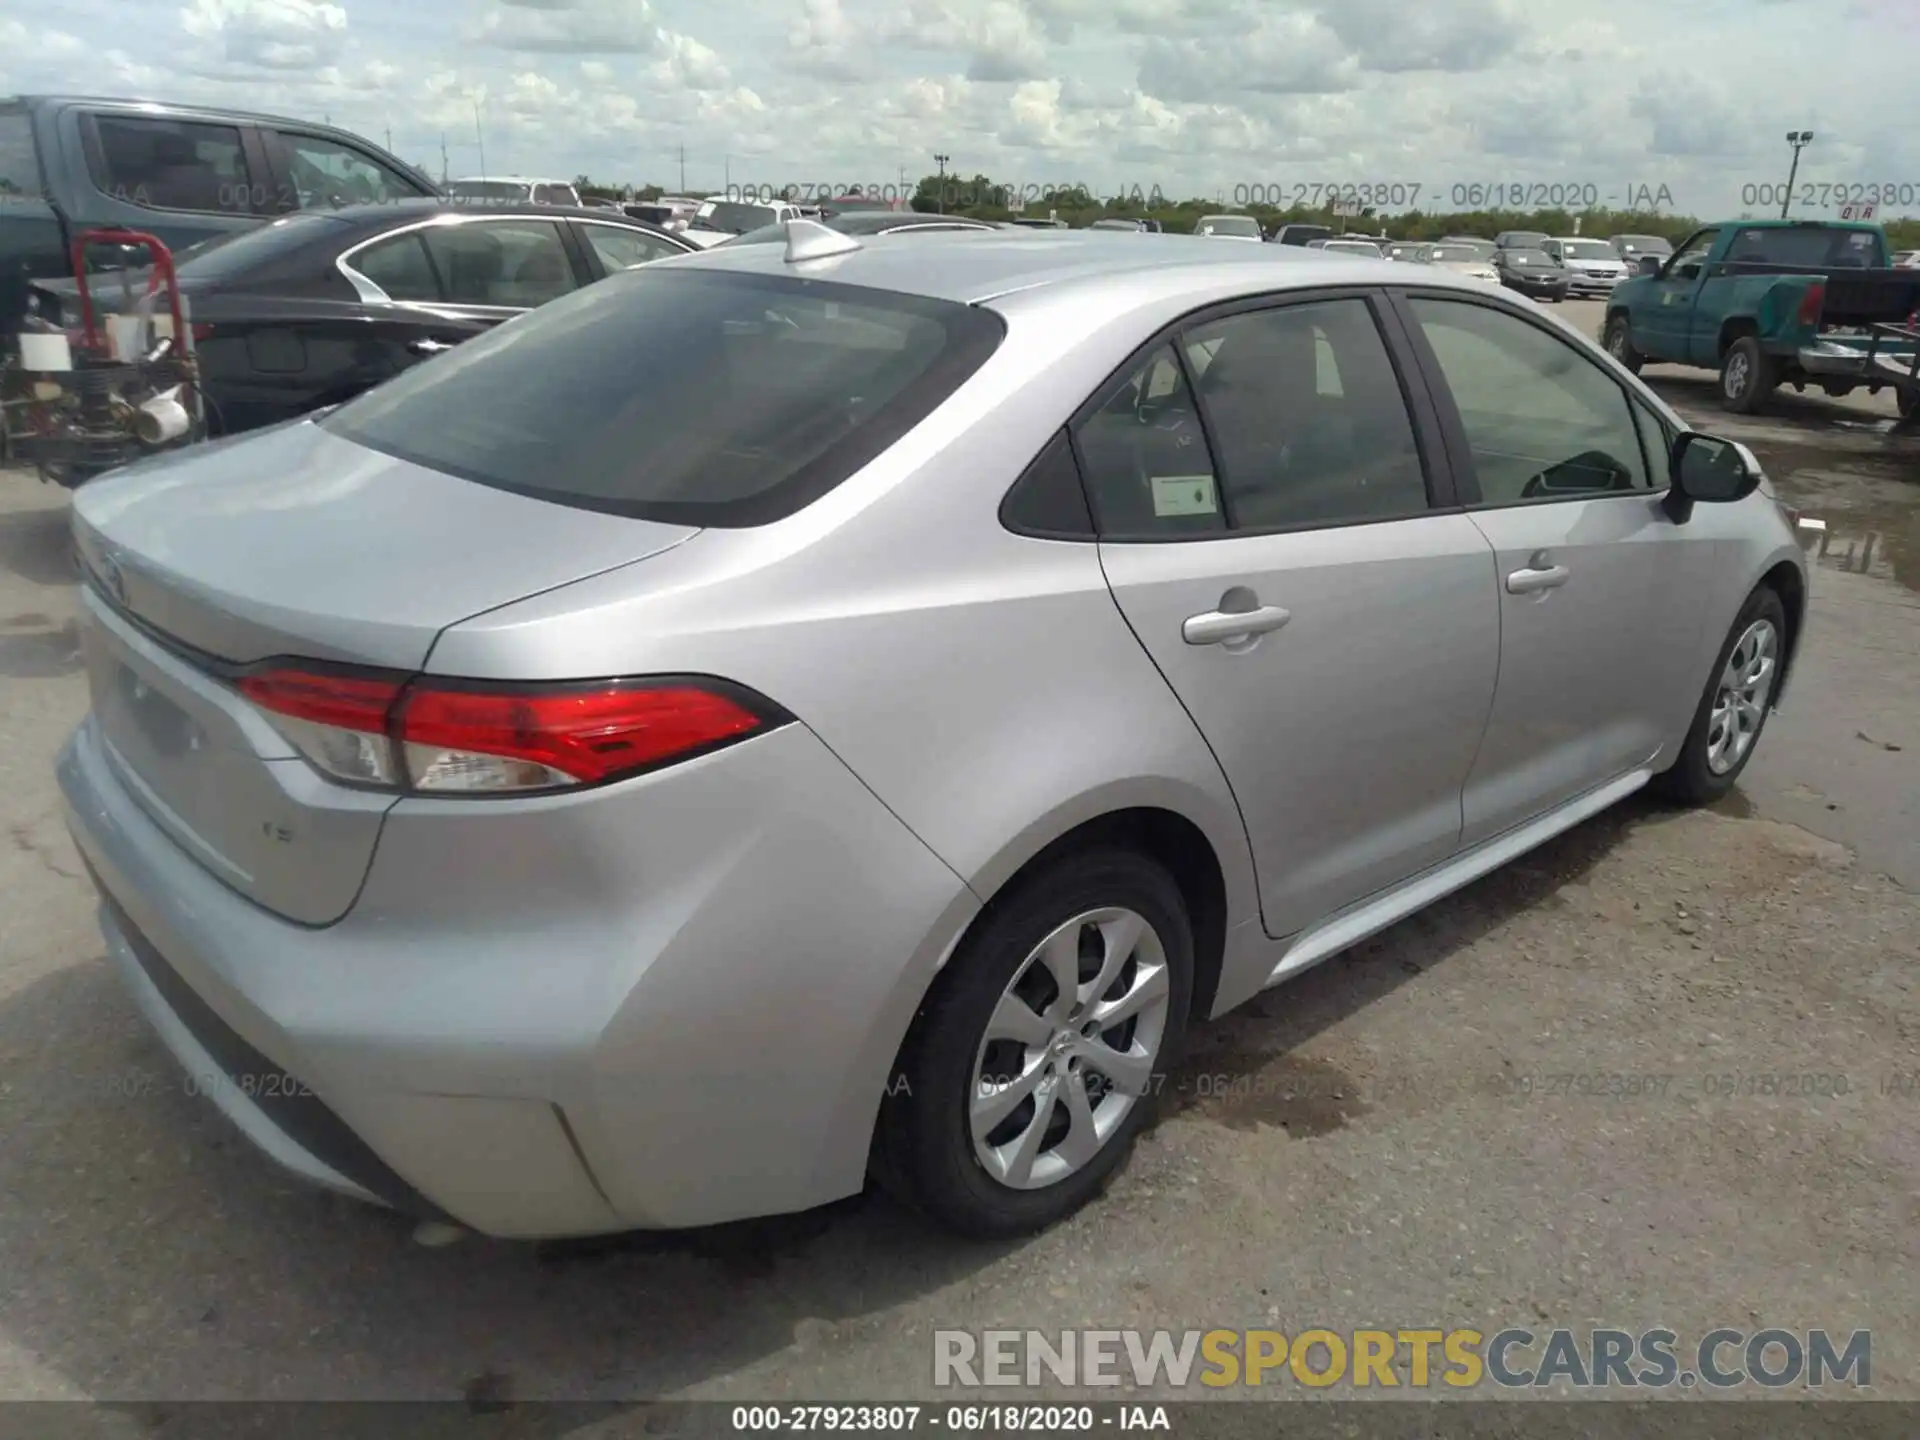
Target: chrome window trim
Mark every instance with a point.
(372, 294)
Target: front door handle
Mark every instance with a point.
(428, 347)
(1217, 626)
(1533, 581)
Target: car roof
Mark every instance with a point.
(508, 180)
(376, 215)
(971, 267)
(164, 108)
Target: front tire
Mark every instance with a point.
(1748, 375)
(1733, 711)
(1620, 344)
(1037, 1058)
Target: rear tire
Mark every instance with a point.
(1620, 344)
(1713, 755)
(1748, 376)
(1908, 403)
(947, 1144)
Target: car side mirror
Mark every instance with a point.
(1649, 264)
(1707, 470)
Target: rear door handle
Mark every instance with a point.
(428, 347)
(1216, 626)
(1532, 581)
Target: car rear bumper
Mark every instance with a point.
(671, 1002)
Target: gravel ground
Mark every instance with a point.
(1394, 1140)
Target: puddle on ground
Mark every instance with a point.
(1865, 511)
(1256, 1090)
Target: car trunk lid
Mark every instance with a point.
(292, 543)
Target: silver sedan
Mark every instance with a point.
(798, 713)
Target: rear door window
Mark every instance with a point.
(400, 267)
(697, 397)
(173, 164)
(1308, 421)
(1812, 246)
(513, 264)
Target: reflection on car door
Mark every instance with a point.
(1601, 595)
(1333, 636)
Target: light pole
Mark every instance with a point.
(1799, 139)
(479, 138)
(941, 195)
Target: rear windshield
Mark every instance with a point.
(1812, 246)
(487, 190)
(1229, 225)
(731, 215)
(250, 249)
(1587, 250)
(697, 397)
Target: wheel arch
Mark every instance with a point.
(1203, 847)
(1786, 580)
(1176, 843)
(1733, 328)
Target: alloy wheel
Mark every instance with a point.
(1740, 700)
(1070, 1048)
(1739, 372)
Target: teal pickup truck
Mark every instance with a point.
(1773, 302)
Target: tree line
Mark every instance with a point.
(979, 197)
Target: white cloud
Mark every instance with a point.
(572, 26)
(1195, 96)
(301, 35)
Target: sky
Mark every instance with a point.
(1626, 101)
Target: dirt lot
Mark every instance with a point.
(1392, 1148)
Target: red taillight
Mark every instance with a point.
(351, 702)
(569, 736)
(201, 331)
(336, 719)
(478, 738)
(1812, 303)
